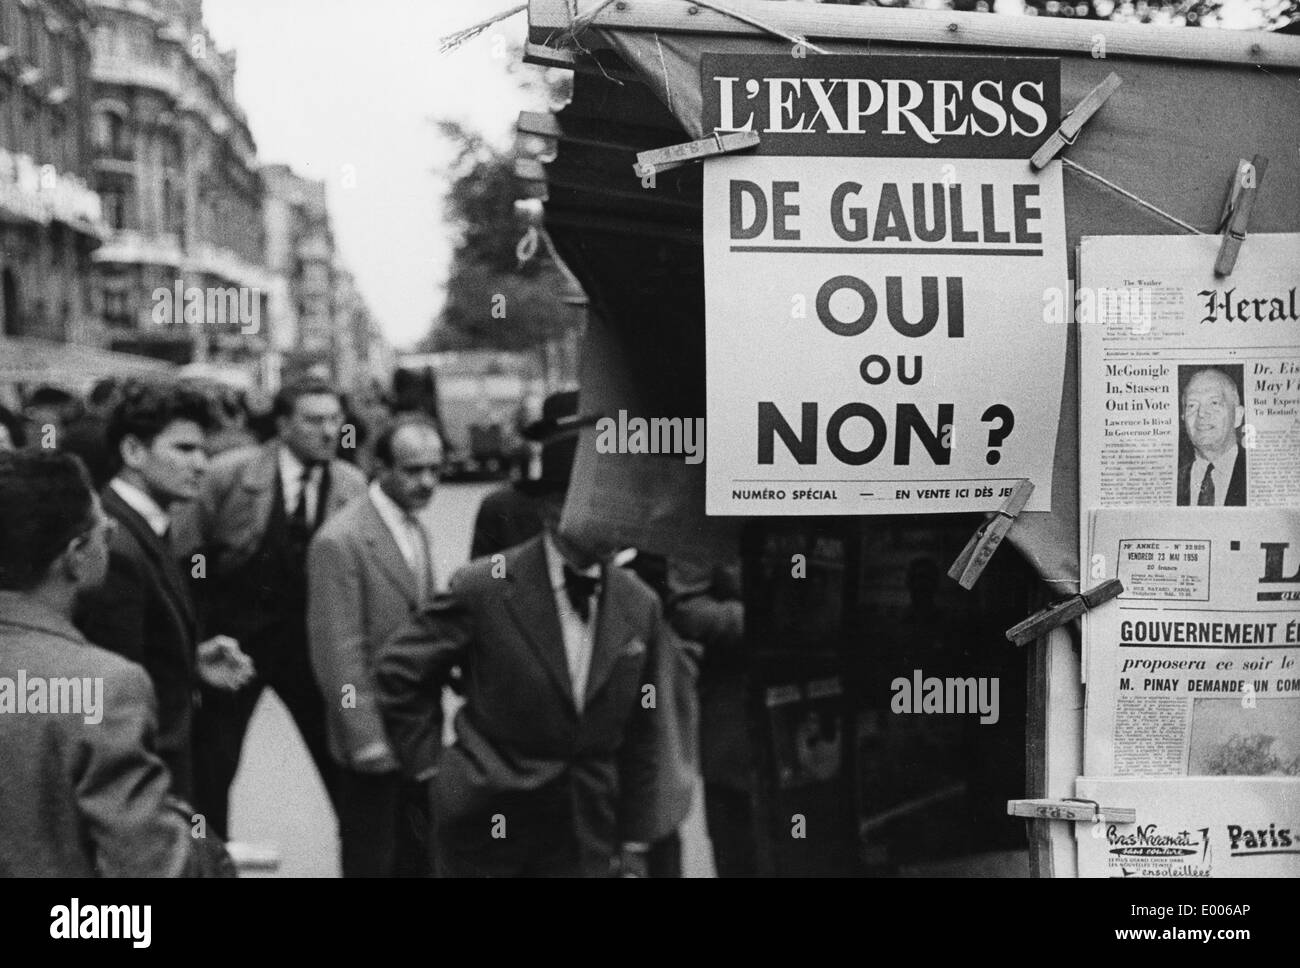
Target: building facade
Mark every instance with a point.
(362, 355)
(300, 256)
(49, 216)
(182, 275)
(321, 320)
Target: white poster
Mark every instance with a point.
(1192, 828)
(876, 333)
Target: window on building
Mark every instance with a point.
(56, 59)
(112, 136)
(58, 241)
(101, 132)
(117, 309)
(11, 323)
(31, 35)
(57, 142)
(173, 207)
(37, 317)
(171, 150)
(141, 46)
(114, 204)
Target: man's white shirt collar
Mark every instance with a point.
(391, 513)
(291, 482)
(139, 501)
(398, 523)
(291, 468)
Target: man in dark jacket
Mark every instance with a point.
(143, 610)
(253, 521)
(512, 513)
(560, 747)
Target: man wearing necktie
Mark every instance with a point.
(144, 610)
(252, 522)
(559, 752)
(368, 570)
(1212, 414)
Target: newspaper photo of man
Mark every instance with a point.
(1211, 459)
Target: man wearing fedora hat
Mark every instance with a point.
(512, 514)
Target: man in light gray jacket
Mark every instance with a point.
(82, 793)
(369, 569)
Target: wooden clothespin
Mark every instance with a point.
(970, 564)
(674, 156)
(532, 178)
(544, 56)
(1077, 811)
(1066, 610)
(541, 123)
(1074, 121)
(1236, 212)
(529, 169)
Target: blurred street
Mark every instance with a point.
(278, 801)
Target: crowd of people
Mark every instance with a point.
(167, 551)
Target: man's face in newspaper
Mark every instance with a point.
(1212, 412)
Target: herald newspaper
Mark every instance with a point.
(1181, 370)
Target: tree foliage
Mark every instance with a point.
(493, 302)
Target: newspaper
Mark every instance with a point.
(1189, 384)
(1193, 828)
(1194, 670)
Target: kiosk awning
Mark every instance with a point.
(35, 361)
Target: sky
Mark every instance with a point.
(327, 84)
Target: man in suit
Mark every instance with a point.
(369, 569)
(254, 517)
(559, 746)
(1212, 415)
(143, 611)
(82, 792)
(512, 513)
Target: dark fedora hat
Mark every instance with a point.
(557, 431)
